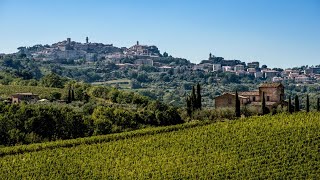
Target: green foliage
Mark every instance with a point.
(237, 104)
(52, 80)
(307, 104)
(29, 123)
(54, 96)
(44, 92)
(198, 97)
(263, 105)
(318, 104)
(289, 105)
(267, 147)
(296, 104)
(194, 100)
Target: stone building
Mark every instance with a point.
(273, 92)
(24, 97)
(227, 100)
(239, 67)
(217, 67)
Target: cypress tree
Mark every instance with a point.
(307, 104)
(189, 108)
(193, 99)
(296, 104)
(72, 95)
(263, 104)
(318, 104)
(237, 109)
(69, 96)
(289, 105)
(199, 105)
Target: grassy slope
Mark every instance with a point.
(278, 146)
(7, 90)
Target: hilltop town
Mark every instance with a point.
(147, 70)
(144, 55)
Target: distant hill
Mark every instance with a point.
(268, 147)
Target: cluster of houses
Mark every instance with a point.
(309, 75)
(219, 64)
(148, 55)
(71, 50)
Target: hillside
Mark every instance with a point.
(7, 90)
(280, 146)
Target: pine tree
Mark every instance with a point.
(237, 105)
(289, 105)
(296, 104)
(318, 104)
(199, 105)
(263, 105)
(307, 104)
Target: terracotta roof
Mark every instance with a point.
(249, 93)
(271, 85)
(232, 94)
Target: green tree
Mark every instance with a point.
(199, 105)
(318, 104)
(296, 104)
(263, 105)
(52, 80)
(69, 96)
(307, 104)
(237, 108)
(72, 94)
(193, 99)
(101, 120)
(289, 105)
(189, 108)
(54, 96)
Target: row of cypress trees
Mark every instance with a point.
(194, 100)
(70, 95)
(297, 104)
(265, 110)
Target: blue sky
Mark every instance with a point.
(279, 33)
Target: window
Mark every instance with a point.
(268, 98)
(253, 98)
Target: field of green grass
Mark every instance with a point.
(121, 83)
(269, 147)
(7, 90)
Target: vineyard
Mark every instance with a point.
(274, 147)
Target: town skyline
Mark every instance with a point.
(280, 34)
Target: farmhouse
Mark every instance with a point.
(26, 97)
(273, 92)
